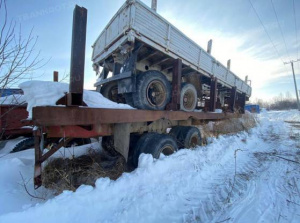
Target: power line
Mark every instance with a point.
(280, 30)
(294, 10)
(266, 31)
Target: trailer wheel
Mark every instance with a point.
(108, 145)
(153, 91)
(110, 91)
(129, 99)
(155, 144)
(26, 143)
(188, 97)
(187, 136)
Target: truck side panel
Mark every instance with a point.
(151, 28)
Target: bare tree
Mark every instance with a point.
(17, 55)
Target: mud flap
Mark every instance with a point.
(122, 138)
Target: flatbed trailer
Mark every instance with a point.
(128, 132)
(83, 122)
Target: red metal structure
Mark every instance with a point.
(11, 117)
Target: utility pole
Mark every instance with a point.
(292, 63)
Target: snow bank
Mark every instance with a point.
(236, 178)
(46, 93)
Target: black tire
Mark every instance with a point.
(108, 145)
(129, 99)
(110, 91)
(153, 91)
(23, 145)
(186, 136)
(155, 144)
(188, 97)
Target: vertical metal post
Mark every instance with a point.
(154, 5)
(77, 57)
(213, 94)
(232, 99)
(209, 46)
(176, 85)
(228, 64)
(295, 83)
(242, 103)
(55, 76)
(298, 103)
(37, 165)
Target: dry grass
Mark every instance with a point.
(68, 174)
(230, 126)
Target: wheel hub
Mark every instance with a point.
(188, 99)
(156, 93)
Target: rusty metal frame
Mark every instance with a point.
(83, 116)
(40, 157)
(176, 85)
(213, 94)
(75, 95)
(84, 122)
(232, 99)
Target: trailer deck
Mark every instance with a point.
(84, 122)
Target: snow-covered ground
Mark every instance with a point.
(247, 177)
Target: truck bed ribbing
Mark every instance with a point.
(137, 22)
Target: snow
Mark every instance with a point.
(245, 177)
(46, 93)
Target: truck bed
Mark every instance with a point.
(136, 21)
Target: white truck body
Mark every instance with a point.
(134, 20)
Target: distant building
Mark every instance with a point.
(252, 108)
(10, 91)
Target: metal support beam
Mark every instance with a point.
(176, 85)
(55, 76)
(154, 5)
(232, 99)
(213, 94)
(209, 46)
(242, 102)
(37, 165)
(77, 57)
(228, 64)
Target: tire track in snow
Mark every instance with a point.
(252, 174)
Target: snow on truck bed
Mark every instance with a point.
(46, 93)
(246, 177)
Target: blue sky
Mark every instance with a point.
(233, 25)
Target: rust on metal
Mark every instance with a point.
(55, 76)
(232, 99)
(37, 164)
(64, 116)
(242, 102)
(213, 94)
(11, 124)
(74, 131)
(176, 85)
(75, 95)
(53, 149)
